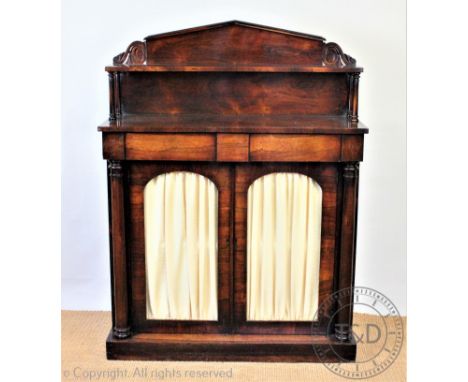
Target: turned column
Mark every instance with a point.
(121, 328)
(117, 106)
(344, 318)
(353, 97)
(111, 97)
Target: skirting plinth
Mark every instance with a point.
(230, 347)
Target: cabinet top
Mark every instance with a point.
(249, 124)
(234, 46)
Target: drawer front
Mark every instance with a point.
(232, 148)
(192, 147)
(294, 148)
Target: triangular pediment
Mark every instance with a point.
(230, 25)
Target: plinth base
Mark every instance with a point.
(230, 347)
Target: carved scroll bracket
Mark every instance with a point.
(134, 55)
(332, 55)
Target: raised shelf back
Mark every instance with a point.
(234, 68)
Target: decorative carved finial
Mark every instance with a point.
(332, 55)
(134, 55)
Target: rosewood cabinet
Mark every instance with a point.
(233, 157)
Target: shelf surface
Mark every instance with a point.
(233, 68)
(249, 124)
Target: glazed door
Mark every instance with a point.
(285, 229)
(179, 246)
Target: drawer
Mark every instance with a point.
(294, 148)
(232, 148)
(192, 147)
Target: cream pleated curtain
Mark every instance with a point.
(283, 248)
(181, 240)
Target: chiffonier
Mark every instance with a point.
(233, 157)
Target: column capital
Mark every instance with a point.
(115, 168)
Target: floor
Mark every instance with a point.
(84, 358)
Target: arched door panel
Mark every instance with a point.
(181, 244)
(285, 235)
(179, 247)
(283, 247)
